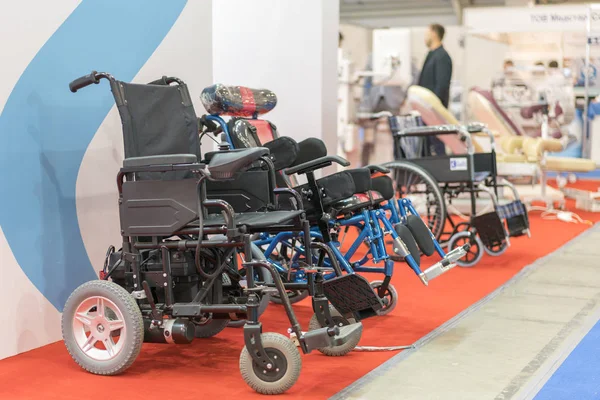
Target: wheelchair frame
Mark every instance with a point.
(168, 228)
(369, 221)
(458, 173)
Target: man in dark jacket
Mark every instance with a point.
(436, 73)
(437, 68)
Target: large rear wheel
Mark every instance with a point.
(416, 184)
(102, 327)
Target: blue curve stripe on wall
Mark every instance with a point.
(45, 130)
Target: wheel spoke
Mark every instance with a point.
(115, 325)
(110, 346)
(100, 307)
(89, 343)
(83, 318)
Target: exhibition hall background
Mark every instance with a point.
(61, 151)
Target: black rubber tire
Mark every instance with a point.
(408, 239)
(421, 233)
(496, 251)
(132, 318)
(293, 364)
(342, 350)
(426, 177)
(475, 252)
(391, 293)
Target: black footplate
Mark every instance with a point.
(352, 293)
(490, 229)
(517, 225)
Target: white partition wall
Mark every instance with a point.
(60, 151)
(287, 46)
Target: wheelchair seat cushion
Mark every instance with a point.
(257, 221)
(237, 100)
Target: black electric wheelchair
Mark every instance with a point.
(176, 276)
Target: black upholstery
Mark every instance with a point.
(384, 185)
(224, 165)
(150, 127)
(310, 149)
(284, 151)
(361, 178)
(257, 221)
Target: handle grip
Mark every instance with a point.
(83, 81)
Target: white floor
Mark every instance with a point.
(507, 345)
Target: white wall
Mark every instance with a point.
(289, 47)
(357, 44)
(32, 320)
(485, 61)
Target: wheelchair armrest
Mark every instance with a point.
(209, 155)
(225, 164)
(167, 159)
(292, 193)
(316, 164)
(377, 168)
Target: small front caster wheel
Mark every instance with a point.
(282, 375)
(497, 249)
(474, 253)
(339, 320)
(389, 298)
(102, 327)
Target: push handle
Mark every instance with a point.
(84, 81)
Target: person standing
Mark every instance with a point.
(436, 74)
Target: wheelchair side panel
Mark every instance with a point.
(445, 169)
(249, 192)
(158, 208)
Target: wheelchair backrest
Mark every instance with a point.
(245, 133)
(157, 119)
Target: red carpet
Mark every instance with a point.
(209, 368)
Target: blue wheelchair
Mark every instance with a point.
(334, 204)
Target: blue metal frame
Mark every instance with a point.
(216, 118)
(370, 224)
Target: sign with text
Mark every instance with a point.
(530, 19)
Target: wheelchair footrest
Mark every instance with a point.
(490, 229)
(330, 337)
(444, 265)
(319, 338)
(518, 225)
(352, 294)
(346, 333)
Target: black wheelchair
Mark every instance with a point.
(472, 173)
(176, 276)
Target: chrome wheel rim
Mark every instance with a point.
(99, 328)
